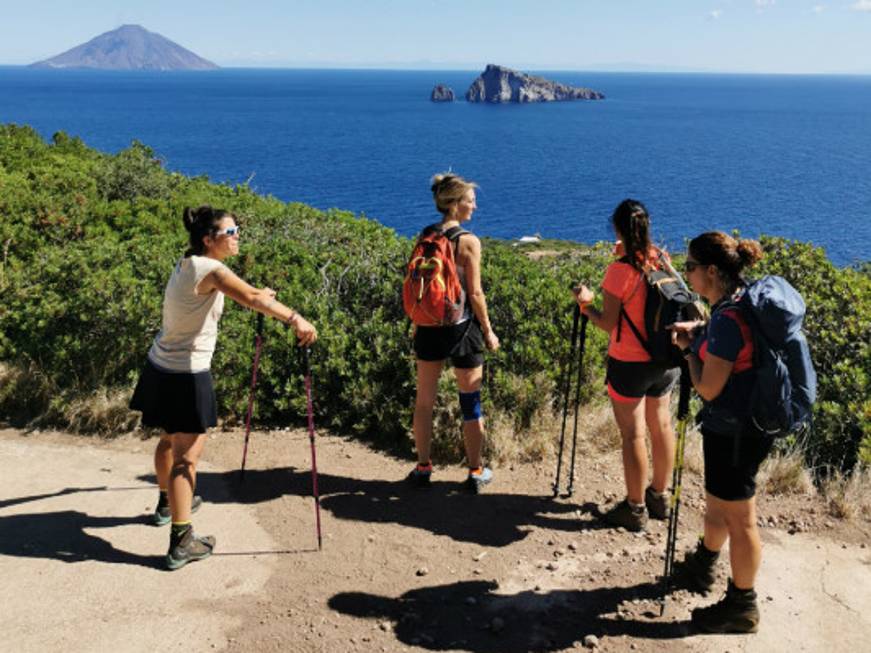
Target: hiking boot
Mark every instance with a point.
(420, 475)
(162, 515)
(657, 503)
(478, 479)
(189, 548)
(697, 572)
(631, 518)
(736, 612)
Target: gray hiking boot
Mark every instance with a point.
(188, 548)
(478, 479)
(162, 515)
(623, 515)
(697, 572)
(657, 503)
(736, 612)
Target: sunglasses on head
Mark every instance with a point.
(228, 231)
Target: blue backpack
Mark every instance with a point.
(786, 383)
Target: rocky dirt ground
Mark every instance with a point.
(401, 569)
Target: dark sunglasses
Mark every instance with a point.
(690, 266)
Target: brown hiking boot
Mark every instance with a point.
(697, 572)
(736, 612)
(657, 503)
(626, 516)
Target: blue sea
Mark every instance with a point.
(785, 155)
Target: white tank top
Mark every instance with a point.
(189, 331)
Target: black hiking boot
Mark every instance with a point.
(188, 547)
(697, 572)
(736, 612)
(162, 516)
(657, 503)
(632, 518)
(419, 477)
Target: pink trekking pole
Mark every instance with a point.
(311, 437)
(258, 342)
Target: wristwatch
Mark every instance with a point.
(686, 351)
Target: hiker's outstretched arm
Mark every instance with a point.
(261, 300)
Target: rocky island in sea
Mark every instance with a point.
(498, 84)
(130, 47)
(442, 93)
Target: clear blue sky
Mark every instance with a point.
(788, 36)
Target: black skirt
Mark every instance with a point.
(177, 402)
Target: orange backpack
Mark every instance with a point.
(432, 294)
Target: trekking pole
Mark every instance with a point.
(566, 390)
(311, 437)
(683, 406)
(581, 343)
(258, 342)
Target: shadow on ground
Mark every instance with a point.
(490, 519)
(472, 616)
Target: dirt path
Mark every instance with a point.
(401, 570)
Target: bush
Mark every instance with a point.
(87, 243)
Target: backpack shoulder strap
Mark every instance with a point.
(453, 234)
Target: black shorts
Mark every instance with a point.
(631, 381)
(177, 402)
(732, 462)
(463, 343)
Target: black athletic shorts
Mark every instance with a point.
(732, 462)
(632, 381)
(177, 402)
(462, 343)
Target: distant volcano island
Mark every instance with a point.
(130, 47)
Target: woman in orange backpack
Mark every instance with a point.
(462, 341)
(640, 390)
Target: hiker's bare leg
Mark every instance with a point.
(186, 449)
(716, 527)
(469, 380)
(630, 421)
(745, 547)
(657, 414)
(428, 373)
(163, 461)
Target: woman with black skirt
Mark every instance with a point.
(175, 390)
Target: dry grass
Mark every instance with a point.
(693, 457)
(785, 473)
(103, 412)
(849, 496)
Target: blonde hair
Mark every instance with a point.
(448, 189)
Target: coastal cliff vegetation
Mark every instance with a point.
(88, 240)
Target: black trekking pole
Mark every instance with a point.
(581, 346)
(683, 406)
(566, 391)
(258, 342)
(311, 437)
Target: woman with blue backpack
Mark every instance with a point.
(639, 386)
(443, 296)
(721, 363)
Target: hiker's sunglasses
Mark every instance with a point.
(228, 231)
(690, 266)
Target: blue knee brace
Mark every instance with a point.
(470, 404)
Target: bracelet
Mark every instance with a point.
(291, 318)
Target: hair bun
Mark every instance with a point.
(749, 251)
(190, 216)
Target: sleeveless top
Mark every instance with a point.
(186, 340)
